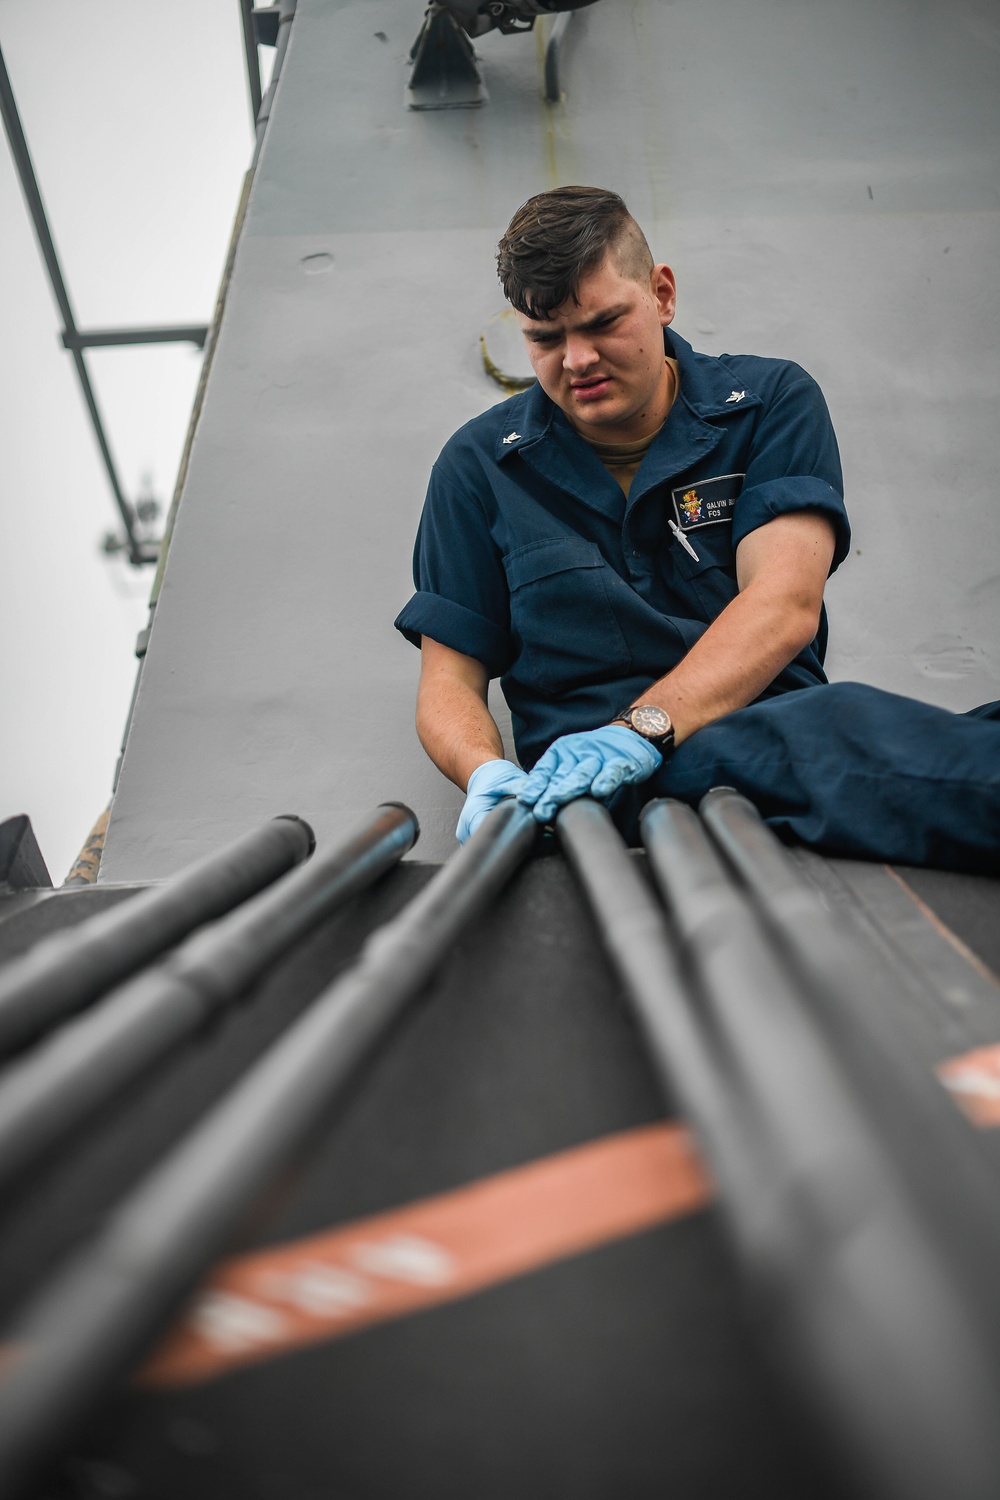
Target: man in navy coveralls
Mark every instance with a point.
(637, 546)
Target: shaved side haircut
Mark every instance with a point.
(557, 238)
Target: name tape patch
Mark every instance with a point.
(708, 503)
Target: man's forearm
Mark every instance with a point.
(781, 568)
(454, 723)
(458, 732)
(741, 652)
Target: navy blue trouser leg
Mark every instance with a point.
(851, 770)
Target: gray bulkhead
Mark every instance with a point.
(823, 180)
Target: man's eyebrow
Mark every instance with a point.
(604, 316)
(547, 330)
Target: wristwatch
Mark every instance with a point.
(652, 723)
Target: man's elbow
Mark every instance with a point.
(800, 625)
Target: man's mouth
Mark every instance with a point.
(591, 388)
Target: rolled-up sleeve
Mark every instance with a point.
(461, 597)
(794, 464)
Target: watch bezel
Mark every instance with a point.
(663, 739)
(644, 711)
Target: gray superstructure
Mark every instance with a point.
(823, 180)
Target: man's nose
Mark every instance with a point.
(579, 353)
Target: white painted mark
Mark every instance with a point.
(325, 1291)
(972, 1081)
(406, 1257)
(233, 1323)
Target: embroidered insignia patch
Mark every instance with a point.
(708, 503)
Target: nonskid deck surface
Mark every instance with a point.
(501, 1269)
(967, 904)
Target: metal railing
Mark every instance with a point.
(73, 338)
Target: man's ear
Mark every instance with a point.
(664, 289)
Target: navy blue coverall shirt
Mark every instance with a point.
(529, 560)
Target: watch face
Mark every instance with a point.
(650, 720)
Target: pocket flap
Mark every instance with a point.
(540, 559)
(714, 548)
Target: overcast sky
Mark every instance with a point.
(137, 119)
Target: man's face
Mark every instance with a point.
(600, 356)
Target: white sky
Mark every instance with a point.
(137, 118)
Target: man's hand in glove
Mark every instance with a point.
(488, 785)
(596, 762)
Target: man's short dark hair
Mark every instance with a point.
(557, 238)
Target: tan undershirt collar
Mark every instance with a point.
(622, 460)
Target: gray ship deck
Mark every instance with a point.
(625, 1367)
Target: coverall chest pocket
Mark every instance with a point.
(710, 579)
(561, 615)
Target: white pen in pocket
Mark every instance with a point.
(678, 533)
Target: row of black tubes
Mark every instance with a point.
(864, 1218)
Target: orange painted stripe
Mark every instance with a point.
(973, 1079)
(262, 1305)
(942, 928)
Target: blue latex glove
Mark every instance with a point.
(488, 785)
(597, 762)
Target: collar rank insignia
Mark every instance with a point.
(736, 396)
(512, 437)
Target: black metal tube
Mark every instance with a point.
(553, 56)
(634, 931)
(32, 195)
(252, 60)
(36, 208)
(943, 1161)
(856, 1298)
(87, 1062)
(87, 1329)
(108, 338)
(64, 972)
